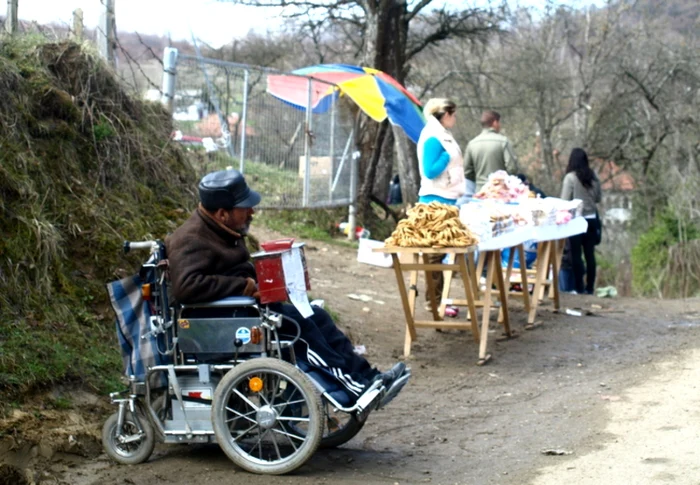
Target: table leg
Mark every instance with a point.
(557, 252)
(509, 272)
(408, 302)
(484, 335)
(546, 250)
(556, 264)
(472, 275)
(469, 293)
(524, 283)
(430, 284)
(543, 252)
(481, 260)
(447, 279)
(503, 316)
(511, 261)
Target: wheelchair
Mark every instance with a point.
(225, 373)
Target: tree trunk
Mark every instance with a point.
(363, 196)
(408, 167)
(385, 37)
(385, 168)
(548, 155)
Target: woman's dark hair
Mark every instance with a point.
(578, 162)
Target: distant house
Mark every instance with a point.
(618, 187)
(210, 126)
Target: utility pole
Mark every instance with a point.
(78, 24)
(11, 19)
(169, 66)
(106, 32)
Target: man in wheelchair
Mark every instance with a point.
(209, 261)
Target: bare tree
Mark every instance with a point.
(386, 35)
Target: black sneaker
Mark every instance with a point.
(395, 388)
(392, 374)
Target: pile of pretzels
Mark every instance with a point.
(432, 225)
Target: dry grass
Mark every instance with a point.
(83, 166)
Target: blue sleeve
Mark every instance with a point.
(435, 158)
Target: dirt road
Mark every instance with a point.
(618, 390)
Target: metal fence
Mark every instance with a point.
(295, 158)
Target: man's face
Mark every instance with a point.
(497, 126)
(238, 219)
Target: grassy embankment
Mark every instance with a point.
(83, 166)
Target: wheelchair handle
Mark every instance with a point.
(129, 245)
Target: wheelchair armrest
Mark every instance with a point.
(231, 301)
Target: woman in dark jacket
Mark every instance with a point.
(582, 183)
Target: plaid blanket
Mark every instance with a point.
(133, 321)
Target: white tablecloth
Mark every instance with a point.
(577, 225)
(519, 235)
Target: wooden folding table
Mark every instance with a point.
(420, 262)
(458, 260)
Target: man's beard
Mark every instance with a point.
(243, 230)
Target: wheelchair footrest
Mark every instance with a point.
(394, 390)
(366, 399)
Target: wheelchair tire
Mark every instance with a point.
(128, 453)
(252, 410)
(345, 432)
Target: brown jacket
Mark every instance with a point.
(208, 261)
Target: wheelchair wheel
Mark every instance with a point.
(256, 419)
(339, 427)
(131, 452)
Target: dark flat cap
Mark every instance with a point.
(226, 189)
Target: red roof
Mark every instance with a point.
(613, 177)
(210, 126)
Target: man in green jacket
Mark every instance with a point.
(489, 151)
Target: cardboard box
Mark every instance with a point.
(318, 166)
(365, 254)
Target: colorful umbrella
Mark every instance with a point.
(376, 93)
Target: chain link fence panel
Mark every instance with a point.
(223, 111)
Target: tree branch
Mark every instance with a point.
(647, 95)
(465, 24)
(420, 6)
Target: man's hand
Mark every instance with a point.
(251, 288)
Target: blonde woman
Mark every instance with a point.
(439, 156)
(441, 168)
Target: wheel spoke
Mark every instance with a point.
(277, 386)
(288, 403)
(299, 420)
(287, 434)
(274, 442)
(266, 402)
(245, 432)
(240, 415)
(291, 442)
(259, 444)
(248, 401)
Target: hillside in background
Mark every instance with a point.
(682, 16)
(83, 166)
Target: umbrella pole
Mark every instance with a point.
(332, 150)
(244, 115)
(307, 148)
(352, 210)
